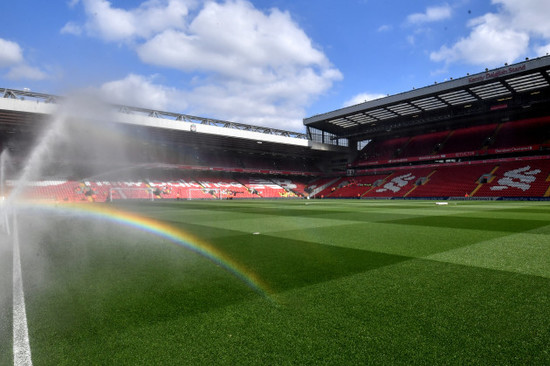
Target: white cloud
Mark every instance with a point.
(23, 71)
(140, 91)
(72, 3)
(11, 57)
(503, 36)
(235, 101)
(246, 104)
(543, 50)
(108, 23)
(384, 28)
(254, 67)
(432, 14)
(280, 103)
(527, 15)
(10, 53)
(491, 43)
(262, 67)
(236, 40)
(361, 98)
(71, 28)
(116, 24)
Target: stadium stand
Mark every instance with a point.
(481, 136)
(356, 187)
(526, 177)
(400, 183)
(230, 187)
(385, 149)
(424, 144)
(452, 181)
(529, 178)
(522, 133)
(468, 139)
(316, 187)
(54, 190)
(199, 187)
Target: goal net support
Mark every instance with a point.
(205, 194)
(125, 193)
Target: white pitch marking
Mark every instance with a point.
(21, 344)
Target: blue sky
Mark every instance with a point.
(257, 61)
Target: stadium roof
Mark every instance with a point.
(48, 98)
(503, 90)
(23, 111)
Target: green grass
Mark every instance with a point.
(350, 282)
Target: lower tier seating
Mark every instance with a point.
(356, 187)
(522, 178)
(452, 181)
(399, 183)
(197, 188)
(527, 177)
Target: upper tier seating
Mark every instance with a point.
(296, 165)
(468, 139)
(423, 145)
(522, 133)
(384, 149)
(477, 139)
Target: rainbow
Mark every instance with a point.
(161, 229)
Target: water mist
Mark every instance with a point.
(75, 133)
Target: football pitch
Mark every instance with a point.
(302, 282)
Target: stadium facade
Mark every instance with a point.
(485, 135)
